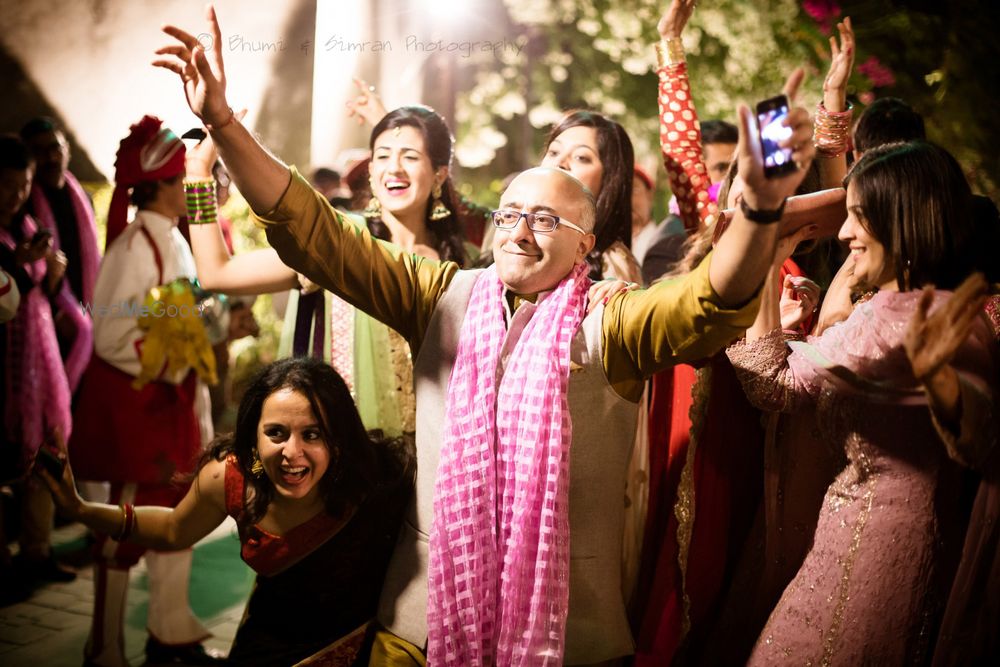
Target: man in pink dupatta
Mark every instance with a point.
(59, 204)
(526, 402)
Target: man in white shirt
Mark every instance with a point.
(139, 440)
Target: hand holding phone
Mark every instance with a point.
(41, 236)
(766, 183)
(58, 477)
(771, 116)
(33, 249)
(52, 463)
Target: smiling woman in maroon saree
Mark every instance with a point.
(318, 503)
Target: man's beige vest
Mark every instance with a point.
(603, 433)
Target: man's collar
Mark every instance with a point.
(512, 301)
(155, 221)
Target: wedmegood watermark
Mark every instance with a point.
(132, 309)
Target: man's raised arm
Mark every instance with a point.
(743, 255)
(396, 288)
(692, 318)
(260, 177)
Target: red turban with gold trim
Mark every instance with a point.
(150, 152)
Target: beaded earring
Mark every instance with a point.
(256, 465)
(439, 211)
(374, 209)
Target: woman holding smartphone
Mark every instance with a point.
(34, 388)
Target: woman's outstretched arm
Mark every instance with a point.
(163, 528)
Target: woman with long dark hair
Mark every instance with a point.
(317, 501)
(395, 211)
(598, 152)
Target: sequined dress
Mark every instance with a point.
(873, 585)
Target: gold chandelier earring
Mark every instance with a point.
(439, 210)
(256, 465)
(374, 209)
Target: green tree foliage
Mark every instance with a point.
(599, 54)
(944, 58)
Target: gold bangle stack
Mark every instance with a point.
(201, 208)
(128, 522)
(833, 128)
(669, 51)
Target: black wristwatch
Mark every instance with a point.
(763, 217)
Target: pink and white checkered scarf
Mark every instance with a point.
(499, 545)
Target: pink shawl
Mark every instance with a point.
(499, 546)
(87, 230)
(38, 398)
(68, 303)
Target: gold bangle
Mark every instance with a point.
(129, 522)
(832, 131)
(121, 531)
(669, 51)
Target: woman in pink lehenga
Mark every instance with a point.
(873, 585)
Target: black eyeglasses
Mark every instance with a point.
(507, 218)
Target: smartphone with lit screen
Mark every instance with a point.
(771, 115)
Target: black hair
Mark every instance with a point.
(361, 463)
(915, 201)
(887, 120)
(326, 174)
(717, 131)
(614, 202)
(141, 194)
(447, 232)
(39, 125)
(14, 154)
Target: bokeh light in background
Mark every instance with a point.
(88, 65)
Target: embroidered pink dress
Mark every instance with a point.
(873, 585)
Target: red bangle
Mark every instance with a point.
(232, 117)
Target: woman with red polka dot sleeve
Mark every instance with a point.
(680, 132)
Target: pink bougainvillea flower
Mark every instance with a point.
(879, 74)
(824, 12)
(867, 97)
